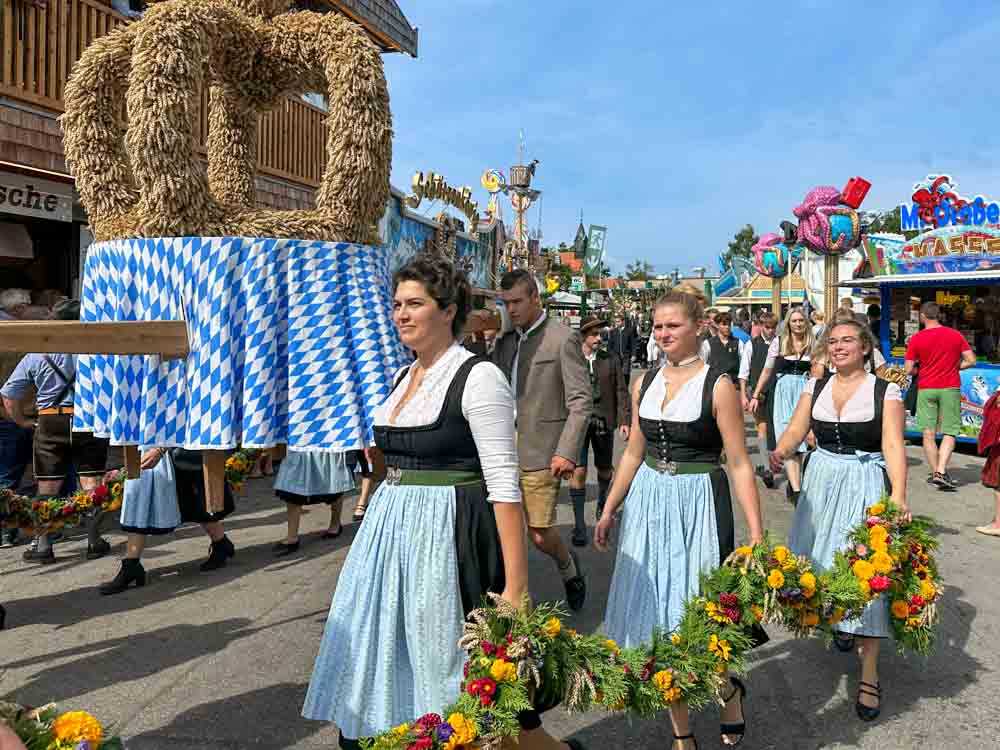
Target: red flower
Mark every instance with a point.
(917, 601)
(488, 648)
(872, 521)
(502, 653)
(489, 687)
(485, 688)
(914, 609)
(423, 743)
(879, 583)
(732, 613)
(101, 492)
(485, 699)
(427, 723)
(729, 600)
(465, 669)
(67, 510)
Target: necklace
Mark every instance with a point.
(685, 362)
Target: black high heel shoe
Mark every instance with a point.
(682, 738)
(868, 713)
(843, 641)
(735, 727)
(130, 572)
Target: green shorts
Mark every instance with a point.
(940, 410)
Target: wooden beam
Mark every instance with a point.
(214, 475)
(132, 459)
(168, 338)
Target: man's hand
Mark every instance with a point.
(562, 468)
(753, 405)
(625, 430)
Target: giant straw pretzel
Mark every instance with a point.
(139, 177)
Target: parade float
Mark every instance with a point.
(954, 260)
(209, 323)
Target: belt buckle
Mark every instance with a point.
(393, 475)
(666, 467)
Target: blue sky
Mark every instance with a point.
(676, 123)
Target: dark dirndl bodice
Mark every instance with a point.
(849, 437)
(447, 444)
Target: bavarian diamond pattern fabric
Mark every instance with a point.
(291, 341)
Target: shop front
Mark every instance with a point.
(957, 267)
(41, 236)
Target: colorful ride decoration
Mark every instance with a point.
(828, 218)
(519, 659)
(773, 257)
(934, 193)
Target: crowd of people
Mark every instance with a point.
(470, 451)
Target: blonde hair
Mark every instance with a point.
(686, 296)
(786, 339)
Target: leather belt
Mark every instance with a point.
(60, 410)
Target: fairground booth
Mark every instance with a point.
(954, 260)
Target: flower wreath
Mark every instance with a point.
(520, 658)
(43, 515)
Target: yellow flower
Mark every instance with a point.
(864, 570)
(808, 593)
(757, 612)
(663, 679)
(552, 627)
(882, 562)
(790, 565)
(913, 622)
(715, 613)
(807, 581)
(485, 661)
(878, 533)
(900, 609)
(401, 730)
(866, 588)
(775, 579)
(76, 726)
(720, 648)
(744, 551)
(503, 671)
(809, 618)
(675, 639)
(611, 646)
(927, 590)
(877, 509)
(780, 553)
(465, 731)
(880, 545)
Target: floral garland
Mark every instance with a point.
(519, 659)
(44, 515)
(47, 729)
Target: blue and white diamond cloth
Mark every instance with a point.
(291, 341)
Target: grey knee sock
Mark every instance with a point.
(579, 497)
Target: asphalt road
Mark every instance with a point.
(222, 660)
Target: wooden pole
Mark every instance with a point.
(830, 273)
(776, 298)
(131, 461)
(168, 338)
(214, 471)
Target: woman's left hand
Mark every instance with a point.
(517, 597)
(904, 510)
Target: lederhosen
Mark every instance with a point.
(725, 357)
(57, 449)
(846, 438)
(689, 448)
(782, 366)
(444, 453)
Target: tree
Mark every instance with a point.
(742, 244)
(888, 222)
(638, 270)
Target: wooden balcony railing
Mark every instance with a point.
(41, 42)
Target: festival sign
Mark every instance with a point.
(948, 249)
(936, 204)
(595, 249)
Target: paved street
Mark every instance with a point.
(222, 660)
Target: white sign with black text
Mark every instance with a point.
(28, 196)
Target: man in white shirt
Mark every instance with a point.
(752, 361)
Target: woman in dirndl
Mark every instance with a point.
(785, 374)
(678, 521)
(309, 478)
(857, 419)
(445, 527)
(169, 492)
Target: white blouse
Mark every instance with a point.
(859, 408)
(685, 406)
(488, 404)
(773, 354)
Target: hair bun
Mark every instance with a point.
(686, 287)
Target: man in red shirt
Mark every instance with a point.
(939, 352)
